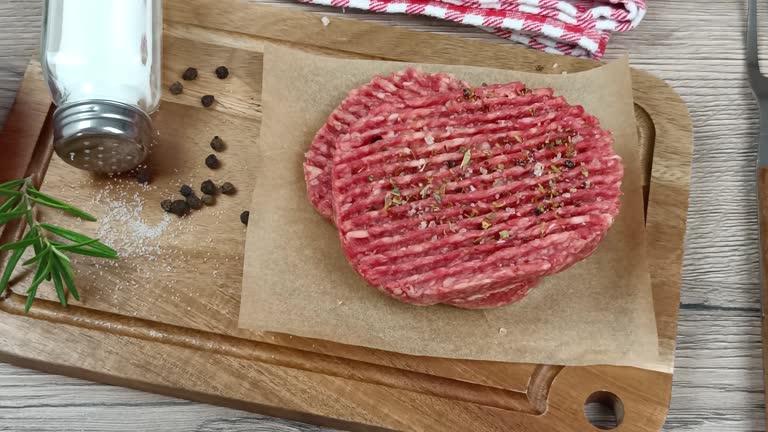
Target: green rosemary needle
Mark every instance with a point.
(51, 244)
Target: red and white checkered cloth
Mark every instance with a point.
(574, 27)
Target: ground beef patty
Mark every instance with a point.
(400, 89)
(470, 199)
(495, 299)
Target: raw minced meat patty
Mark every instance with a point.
(495, 299)
(401, 89)
(474, 195)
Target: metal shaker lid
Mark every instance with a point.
(101, 136)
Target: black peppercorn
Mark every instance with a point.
(189, 74)
(207, 187)
(227, 188)
(539, 211)
(244, 217)
(208, 200)
(166, 205)
(179, 207)
(570, 164)
(217, 144)
(176, 88)
(143, 175)
(186, 190)
(222, 72)
(194, 202)
(451, 164)
(207, 100)
(212, 161)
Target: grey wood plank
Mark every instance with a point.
(698, 48)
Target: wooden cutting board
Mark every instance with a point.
(164, 318)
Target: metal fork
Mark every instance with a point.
(757, 80)
(759, 85)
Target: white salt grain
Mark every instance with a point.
(122, 227)
(325, 21)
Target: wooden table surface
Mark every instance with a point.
(694, 45)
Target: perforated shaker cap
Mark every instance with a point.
(101, 136)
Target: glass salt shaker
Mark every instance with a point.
(101, 59)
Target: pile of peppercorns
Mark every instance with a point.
(209, 189)
(191, 201)
(177, 88)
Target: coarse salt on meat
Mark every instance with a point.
(494, 149)
(405, 88)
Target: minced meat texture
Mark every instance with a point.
(400, 88)
(470, 200)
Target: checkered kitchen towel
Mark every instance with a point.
(574, 27)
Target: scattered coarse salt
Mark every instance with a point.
(557, 158)
(555, 66)
(429, 139)
(538, 169)
(121, 226)
(325, 21)
(502, 331)
(423, 225)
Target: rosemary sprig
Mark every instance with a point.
(50, 258)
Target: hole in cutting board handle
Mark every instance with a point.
(604, 410)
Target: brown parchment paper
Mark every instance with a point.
(297, 280)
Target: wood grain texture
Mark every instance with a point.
(697, 47)
(161, 329)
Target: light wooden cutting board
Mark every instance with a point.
(166, 320)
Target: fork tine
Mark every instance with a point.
(752, 62)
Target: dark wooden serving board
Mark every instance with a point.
(166, 321)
